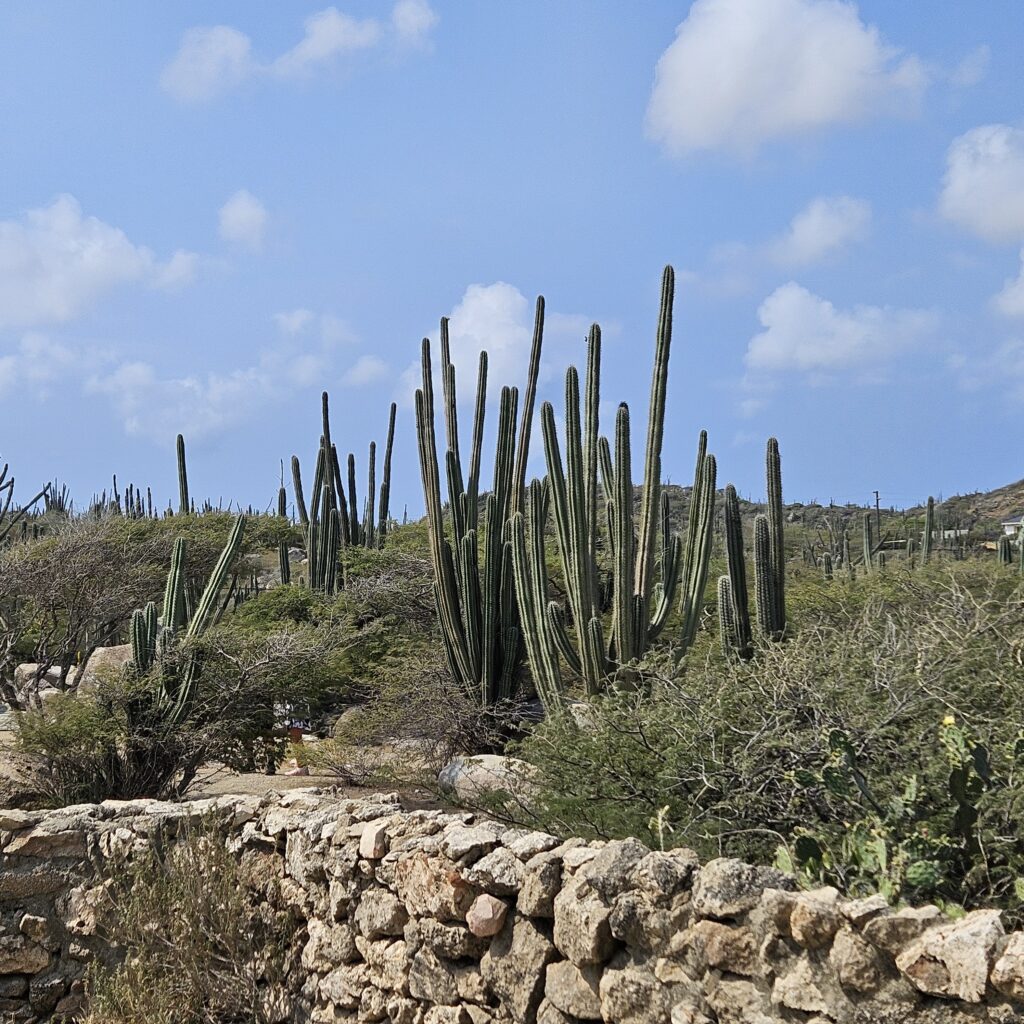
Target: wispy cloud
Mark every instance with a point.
(212, 61)
(826, 225)
(55, 263)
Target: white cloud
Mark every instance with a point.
(328, 34)
(413, 21)
(242, 220)
(365, 370)
(159, 407)
(1010, 301)
(41, 365)
(972, 68)
(983, 188)
(213, 61)
(498, 318)
(295, 321)
(55, 263)
(741, 72)
(210, 61)
(825, 225)
(806, 333)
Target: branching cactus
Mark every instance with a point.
(638, 550)
(474, 587)
(154, 640)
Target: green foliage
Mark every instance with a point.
(750, 756)
(952, 843)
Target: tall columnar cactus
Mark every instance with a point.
(826, 566)
(740, 633)
(777, 549)
(869, 546)
(929, 527)
(727, 625)
(1004, 552)
(183, 502)
(282, 548)
(327, 534)
(384, 512)
(474, 588)
(639, 606)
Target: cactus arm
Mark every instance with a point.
(518, 495)
(384, 512)
(650, 503)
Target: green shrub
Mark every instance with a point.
(736, 758)
(202, 944)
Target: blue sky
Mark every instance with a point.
(210, 212)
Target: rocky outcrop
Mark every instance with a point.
(424, 917)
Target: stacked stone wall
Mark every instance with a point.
(424, 917)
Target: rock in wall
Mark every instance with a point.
(424, 917)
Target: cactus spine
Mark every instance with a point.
(476, 602)
(183, 503)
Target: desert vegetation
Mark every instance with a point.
(833, 689)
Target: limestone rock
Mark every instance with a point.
(18, 955)
(373, 843)
(953, 959)
(632, 996)
(574, 990)
(380, 913)
(327, 946)
(486, 916)
(582, 924)
(469, 779)
(431, 979)
(726, 887)
(815, 918)
(431, 887)
(514, 965)
(856, 962)
(344, 985)
(105, 663)
(526, 844)
(609, 871)
(468, 844)
(500, 872)
(725, 947)
(1008, 971)
(663, 875)
(453, 941)
(892, 932)
(541, 881)
(799, 989)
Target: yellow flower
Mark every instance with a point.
(949, 720)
